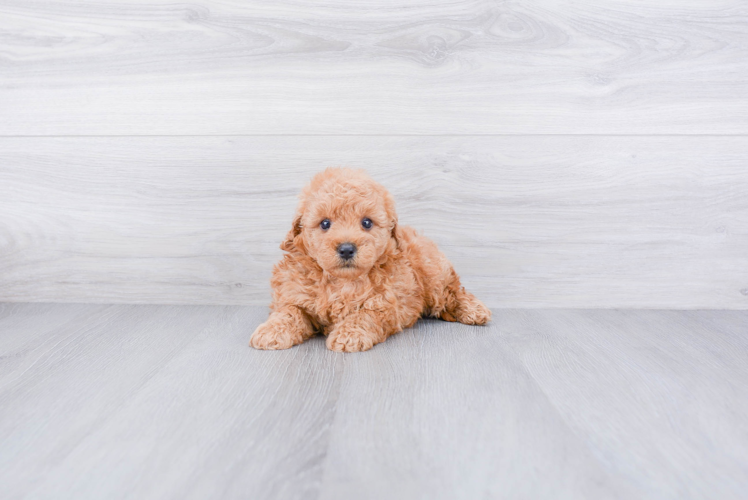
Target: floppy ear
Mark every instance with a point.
(394, 234)
(292, 242)
(389, 206)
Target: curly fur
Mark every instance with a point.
(396, 277)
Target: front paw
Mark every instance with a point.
(347, 338)
(274, 334)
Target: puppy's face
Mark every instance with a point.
(346, 222)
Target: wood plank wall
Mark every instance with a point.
(562, 153)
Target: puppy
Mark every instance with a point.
(351, 272)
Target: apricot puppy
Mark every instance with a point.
(352, 273)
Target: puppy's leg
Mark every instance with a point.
(444, 296)
(286, 327)
(359, 331)
(461, 305)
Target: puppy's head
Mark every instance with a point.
(345, 221)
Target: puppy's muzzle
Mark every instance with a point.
(346, 251)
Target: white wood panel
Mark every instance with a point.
(155, 402)
(551, 221)
(381, 67)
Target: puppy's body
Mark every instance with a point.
(395, 276)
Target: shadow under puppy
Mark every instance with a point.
(353, 274)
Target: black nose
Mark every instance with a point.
(346, 251)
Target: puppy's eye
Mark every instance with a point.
(325, 224)
(367, 223)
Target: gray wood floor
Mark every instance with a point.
(125, 401)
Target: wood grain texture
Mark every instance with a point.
(446, 411)
(648, 222)
(162, 402)
(89, 409)
(409, 67)
(632, 411)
